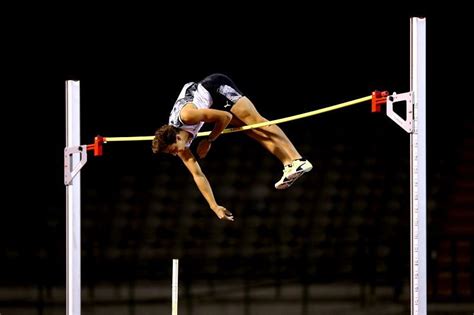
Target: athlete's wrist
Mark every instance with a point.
(210, 140)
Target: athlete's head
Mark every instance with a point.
(168, 140)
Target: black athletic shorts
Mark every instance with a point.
(223, 90)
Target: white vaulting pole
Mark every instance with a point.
(174, 288)
(418, 168)
(73, 205)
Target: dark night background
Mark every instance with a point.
(347, 221)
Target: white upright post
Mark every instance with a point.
(174, 288)
(418, 168)
(73, 204)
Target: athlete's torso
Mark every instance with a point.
(195, 93)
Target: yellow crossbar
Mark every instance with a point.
(259, 125)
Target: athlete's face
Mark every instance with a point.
(176, 147)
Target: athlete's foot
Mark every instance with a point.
(292, 172)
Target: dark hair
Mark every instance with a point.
(164, 136)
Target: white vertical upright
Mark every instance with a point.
(418, 168)
(174, 288)
(73, 204)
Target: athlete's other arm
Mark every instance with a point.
(192, 115)
(203, 184)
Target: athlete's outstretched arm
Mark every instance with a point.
(203, 184)
(192, 115)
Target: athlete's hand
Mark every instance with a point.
(203, 148)
(223, 214)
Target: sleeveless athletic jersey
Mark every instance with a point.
(214, 89)
(191, 93)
